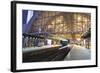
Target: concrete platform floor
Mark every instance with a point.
(78, 53)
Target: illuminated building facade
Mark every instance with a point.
(61, 25)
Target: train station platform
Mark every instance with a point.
(78, 53)
(55, 53)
